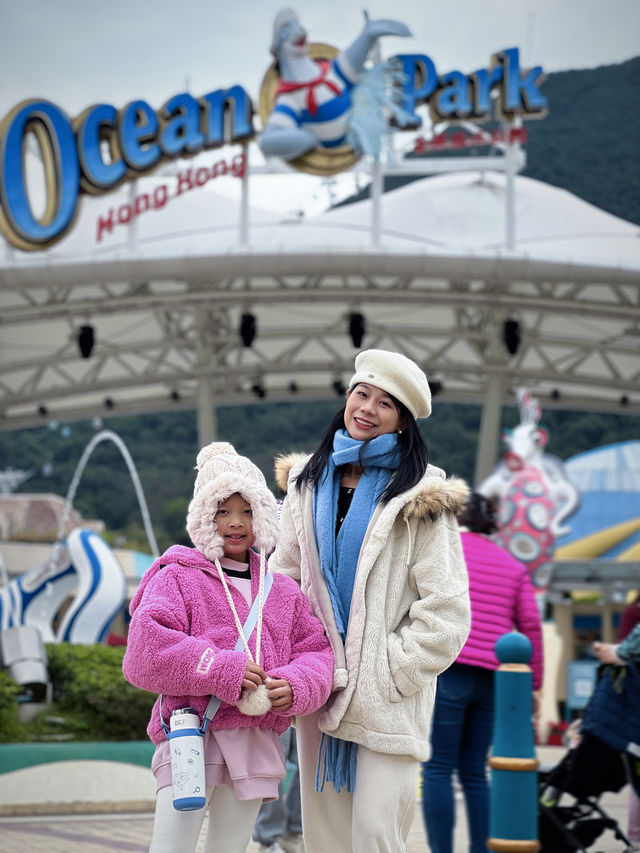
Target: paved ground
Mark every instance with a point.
(92, 798)
(121, 833)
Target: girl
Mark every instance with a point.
(187, 616)
(369, 529)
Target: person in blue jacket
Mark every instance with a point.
(621, 653)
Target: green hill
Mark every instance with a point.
(587, 144)
(164, 448)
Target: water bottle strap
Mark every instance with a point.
(214, 703)
(165, 727)
(209, 713)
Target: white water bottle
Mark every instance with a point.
(186, 744)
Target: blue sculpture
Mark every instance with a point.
(82, 567)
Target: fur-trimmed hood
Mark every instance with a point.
(432, 496)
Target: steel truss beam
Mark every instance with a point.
(159, 337)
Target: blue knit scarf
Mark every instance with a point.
(339, 558)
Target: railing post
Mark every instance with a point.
(513, 823)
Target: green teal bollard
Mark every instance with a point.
(513, 821)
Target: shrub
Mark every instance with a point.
(10, 728)
(91, 699)
(90, 690)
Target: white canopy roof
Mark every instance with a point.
(460, 214)
(165, 291)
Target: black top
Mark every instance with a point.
(345, 496)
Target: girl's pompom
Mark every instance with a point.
(213, 452)
(253, 703)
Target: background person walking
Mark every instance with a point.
(502, 598)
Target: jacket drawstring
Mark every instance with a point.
(406, 521)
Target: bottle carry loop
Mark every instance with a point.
(214, 703)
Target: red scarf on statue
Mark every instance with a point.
(293, 86)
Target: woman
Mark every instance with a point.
(502, 598)
(369, 529)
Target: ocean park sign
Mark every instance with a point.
(104, 146)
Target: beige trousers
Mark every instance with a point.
(376, 818)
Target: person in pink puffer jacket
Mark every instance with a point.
(187, 616)
(502, 598)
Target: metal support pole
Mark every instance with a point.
(244, 200)
(207, 420)
(376, 201)
(512, 156)
(206, 414)
(488, 441)
(377, 174)
(133, 223)
(563, 621)
(513, 819)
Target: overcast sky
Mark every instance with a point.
(79, 52)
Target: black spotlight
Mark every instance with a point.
(293, 387)
(436, 387)
(339, 386)
(86, 340)
(108, 403)
(43, 411)
(175, 396)
(511, 336)
(555, 394)
(258, 390)
(357, 328)
(248, 329)
(624, 400)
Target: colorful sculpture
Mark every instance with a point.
(313, 99)
(534, 493)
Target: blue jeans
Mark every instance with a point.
(284, 814)
(460, 740)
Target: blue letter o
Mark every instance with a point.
(58, 146)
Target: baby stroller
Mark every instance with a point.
(606, 758)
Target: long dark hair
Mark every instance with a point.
(479, 514)
(414, 455)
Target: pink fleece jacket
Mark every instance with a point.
(502, 599)
(182, 636)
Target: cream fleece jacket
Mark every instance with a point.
(410, 611)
